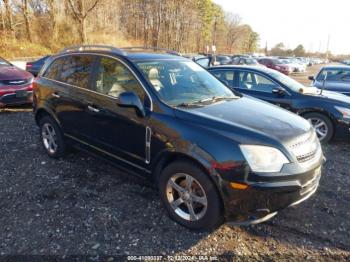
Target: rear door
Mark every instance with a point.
(70, 93)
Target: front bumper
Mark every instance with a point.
(262, 200)
(14, 99)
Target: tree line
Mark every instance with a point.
(182, 25)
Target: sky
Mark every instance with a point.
(293, 22)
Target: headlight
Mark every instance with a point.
(344, 111)
(264, 158)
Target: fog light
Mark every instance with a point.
(239, 186)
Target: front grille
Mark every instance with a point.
(17, 82)
(306, 147)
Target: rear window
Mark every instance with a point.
(73, 70)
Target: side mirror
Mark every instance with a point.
(279, 91)
(131, 100)
(312, 78)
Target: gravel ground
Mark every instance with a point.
(82, 206)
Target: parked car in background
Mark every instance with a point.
(35, 66)
(276, 64)
(213, 60)
(346, 62)
(337, 79)
(15, 85)
(328, 112)
(246, 61)
(165, 117)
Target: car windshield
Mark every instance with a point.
(184, 83)
(286, 80)
(4, 62)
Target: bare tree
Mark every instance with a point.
(25, 12)
(8, 21)
(80, 13)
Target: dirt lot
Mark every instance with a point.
(82, 206)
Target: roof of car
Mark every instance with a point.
(253, 68)
(132, 53)
(238, 67)
(152, 56)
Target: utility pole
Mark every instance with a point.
(327, 52)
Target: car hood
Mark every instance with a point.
(250, 114)
(13, 73)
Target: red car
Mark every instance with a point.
(16, 85)
(276, 65)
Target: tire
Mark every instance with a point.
(57, 147)
(315, 118)
(208, 214)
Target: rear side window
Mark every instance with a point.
(225, 76)
(54, 69)
(76, 70)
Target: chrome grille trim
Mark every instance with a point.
(306, 147)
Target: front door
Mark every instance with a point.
(260, 86)
(118, 131)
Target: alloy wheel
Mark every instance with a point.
(186, 197)
(320, 126)
(49, 138)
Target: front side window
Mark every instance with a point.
(255, 82)
(76, 70)
(225, 76)
(180, 82)
(113, 78)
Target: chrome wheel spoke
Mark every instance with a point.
(175, 186)
(193, 215)
(200, 200)
(175, 204)
(189, 181)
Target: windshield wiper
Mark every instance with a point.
(217, 98)
(188, 105)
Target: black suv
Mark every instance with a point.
(215, 155)
(328, 112)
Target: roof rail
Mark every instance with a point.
(92, 47)
(172, 52)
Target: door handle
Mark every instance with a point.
(55, 95)
(93, 109)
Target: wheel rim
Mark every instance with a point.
(49, 138)
(320, 127)
(186, 197)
